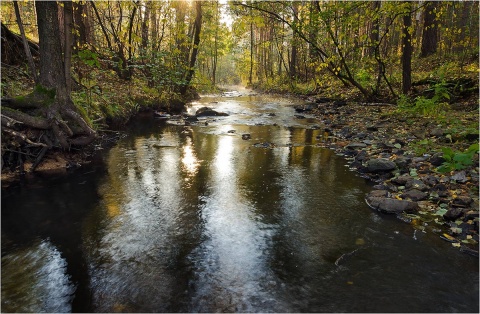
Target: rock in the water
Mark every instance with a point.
(190, 118)
(391, 206)
(246, 136)
(264, 145)
(209, 112)
(306, 107)
(380, 165)
(415, 195)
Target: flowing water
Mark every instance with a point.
(195, 219)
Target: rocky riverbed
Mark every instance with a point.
(402, 155)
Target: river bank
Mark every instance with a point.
(403, 155)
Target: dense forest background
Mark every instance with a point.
(106, 60)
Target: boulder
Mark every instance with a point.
(380, 165)
(391, 206)
(209, 112)
(246, 136)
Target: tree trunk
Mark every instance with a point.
(250, 74)
(407, 53)
(294, 43)
(68, 27)
(80, 26)
(146, 17)
(430, 30)
(196, 42)
(28, 53)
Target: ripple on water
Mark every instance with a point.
(41, 285)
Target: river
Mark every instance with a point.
(179, 218)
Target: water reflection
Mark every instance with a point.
(189, 159)
(230, 265)
(43, 273)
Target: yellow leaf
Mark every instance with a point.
(349, 282)
(456, 244)
(449, 237)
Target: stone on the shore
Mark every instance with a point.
(453, 214)
(430, 180)
(437, 160)
(437, 132)
(402, 162)
(462, 201)
(355, 145)
(460, 177)
(416, 184)
(380, 165)
(378, 193)
(402, 180)
(391, 205)
(246, 136)
(415, 195)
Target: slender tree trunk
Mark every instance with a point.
(68, 27)
(430, 30)
(294, 43)
(250, 75)
(407, 53)
(196, 42)
(28, 53)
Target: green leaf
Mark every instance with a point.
(440, 212)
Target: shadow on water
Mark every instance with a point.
(196, 219)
